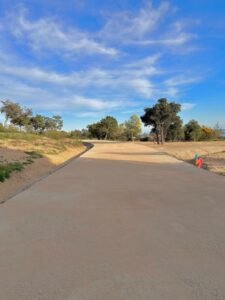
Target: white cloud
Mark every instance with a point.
(187, 106)
(134, 76)
(48, 34)
(180, 39)
(128, 26)
(43, 98)
(95, 104)
(149, 26)
(182, 80)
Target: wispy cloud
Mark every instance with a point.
(95, 104)
(147, 27)
(130, 26)
(183, 79)
(50, 34)
(43, 99)
(187, 106)
(135, 76)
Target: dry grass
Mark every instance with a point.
(38, 156)
(212, 152)
(55, 150)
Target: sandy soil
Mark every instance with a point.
(212, 152)
(54, 154)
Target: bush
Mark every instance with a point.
(192, 131)
(207, 133)
(7, 169)
(18, 136)
(34, 154)
(8, 128)
(56, 135)
(145, 139)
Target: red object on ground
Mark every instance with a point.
(199, 162)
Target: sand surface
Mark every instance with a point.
(123, 221)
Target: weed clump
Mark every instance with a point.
(7, 169)
(34, 154)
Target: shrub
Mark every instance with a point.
(7, 169)
(57, 135)
(192, 131)
(34, 154)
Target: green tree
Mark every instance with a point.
(75, 134)
(133, 127)
(121, 132)
(58, 122)
(38, 123)
(109, 127)
(95, 130)
(175, 131)
(22, 118)
(79, 134)
(54, 123)
(192, 131)
(217, 131)
(161, 116)
(11, 110)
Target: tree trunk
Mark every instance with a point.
(162, 135)
(157, 136)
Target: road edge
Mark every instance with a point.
(88, 146)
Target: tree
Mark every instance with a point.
(121, 132)
(109, 127)
(38, 123)
(161, 116)
(54, 123)
(192, 131)
(95, 130)
(11, 110)
(175, 131)
(22, 118)
(218, 132)
(58, 122)
(207, 133)
(133, 127)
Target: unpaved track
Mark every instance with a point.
(121, 222)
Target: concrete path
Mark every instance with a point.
(121, 222)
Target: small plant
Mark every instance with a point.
(28, 161)
(7, 169)
(34, 154)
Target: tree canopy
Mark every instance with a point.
(23, 117)
(133, 127)
(161, 116)
(106, 128)
(192, 131)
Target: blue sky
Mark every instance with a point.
(84, 59)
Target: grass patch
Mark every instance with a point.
(34, 154)
(18, 136)
(7, 169)
(28, 161)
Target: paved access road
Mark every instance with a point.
(121, 222)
